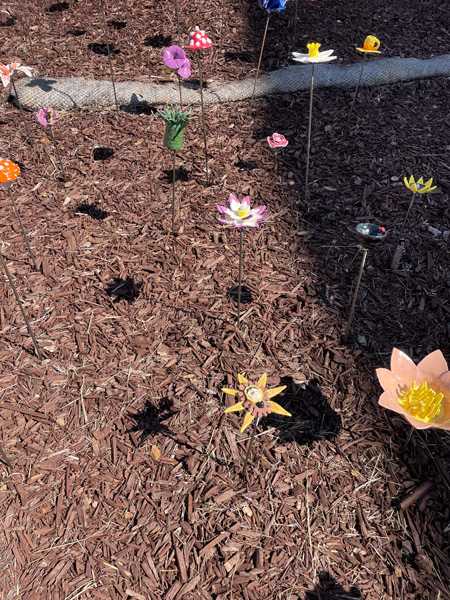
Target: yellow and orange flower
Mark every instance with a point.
(256, 399)
(419, 187)
(421, 394)
(371, 45)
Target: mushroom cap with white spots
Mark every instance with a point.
(198, 40)
(9, 171)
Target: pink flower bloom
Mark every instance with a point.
(6, 72)
(276, 140)
(175, 60)
(47, 116)
(185, 70)
(421, 394)
(240, 214)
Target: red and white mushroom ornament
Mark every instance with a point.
(198, 40)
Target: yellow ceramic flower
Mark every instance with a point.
(256, 399)
(371, 45)
(419, 187)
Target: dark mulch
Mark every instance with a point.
(125, 479)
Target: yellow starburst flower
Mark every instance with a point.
(419, 187)
(256, 399)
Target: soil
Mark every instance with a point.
(124, 477)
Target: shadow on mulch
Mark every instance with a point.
(245, 166)
(158, 41)
(312, 417)
(329, 589)
(246, 294)
(102, 153)
(77, 32)
(57, 7)
(181, 174)
(124, 289)
(118, 25)
(92, 210)
(10, 21)
(138, 107)
(103, 49)
(149, 421)
(242, 56)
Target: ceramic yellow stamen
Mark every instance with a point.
(422, 402)
(313, 50)
(243, 212)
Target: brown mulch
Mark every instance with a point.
(125, 479)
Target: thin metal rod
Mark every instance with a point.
(177, 11)
(21, 109)
(221, 24)
(308, 145)
(173, 191)
(118, 8)
(109, 54)
(260, 58)
(27, 27)
(127, 19)
(22, 228)
(30, 331)
(61, 166)
(355, 295)
(411, 204)
(250, 444)
(203, 115)
(179, 88)
(241, 243)
(354, 97)
(295, 23)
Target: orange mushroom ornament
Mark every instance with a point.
(9, 172)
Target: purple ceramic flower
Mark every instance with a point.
(47, 116)
(240, 214)
(175, 60)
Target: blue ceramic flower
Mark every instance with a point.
(272, 5)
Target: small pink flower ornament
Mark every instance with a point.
(47, 116)
(276, 140)
(7, 71)
(421, 394)
(175, 60)
(240, 214)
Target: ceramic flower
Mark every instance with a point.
(6, 71)
(240, 214)
(47, 116)
(256, 399)
(198, 40)
(272, 5)
(314, 56)
(419, 187)
(276, 140)
(9, 172)
(175, 60)
(419, 393)
(371, 45)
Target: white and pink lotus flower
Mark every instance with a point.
(240, 214)
(7, 71)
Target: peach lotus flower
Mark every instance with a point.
(421, 394)
(7, 71)
(256, 399)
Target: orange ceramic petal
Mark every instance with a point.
(9, 171)
(387, 400)
(433, 365)
(404, 368)
(389, 382)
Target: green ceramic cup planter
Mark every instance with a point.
(173, 137)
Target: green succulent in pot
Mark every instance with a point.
(176, 120)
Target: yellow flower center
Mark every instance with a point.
(253, 393)
(422, 402)
(313, 50)
(243, 212)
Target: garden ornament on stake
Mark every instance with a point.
(105, 30)
(256, 399)
(48, 117)
(275, 141)
(9, 172)
(240, 215)
(421, 394)
(313, 57)
(416, 187)
(369, 236)
(176, 62)
(269, 6)
(370, 46)
(7, 73)
(176, 121)
(19, 302)
(198, 40)
(27, 27)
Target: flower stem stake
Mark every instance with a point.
(256, 399)
(177, 13)
(22, 310)
(240, 215)
(313, 57)
(48, 116)
(176, 61)
(9, 172)
(370, 46)
(198, 40)
(369, 235)
(7, 73)
(27, 27)
(105, 29)
(269, 6)
(127, 19)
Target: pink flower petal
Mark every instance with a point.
(404, 368)
(233, 202)
(433, 365)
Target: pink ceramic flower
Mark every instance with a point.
(175, 60)
(421, 394)
(47, 116)
(276, 140)
(6, 71)
(240, 214)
